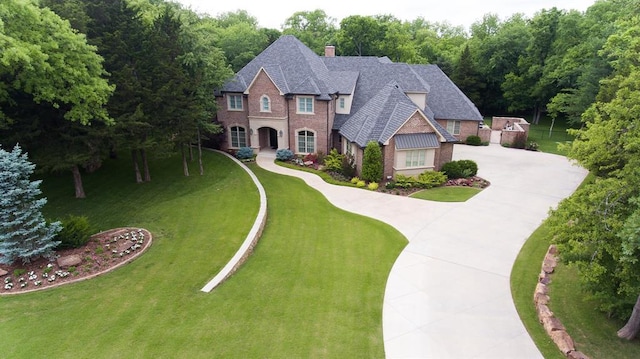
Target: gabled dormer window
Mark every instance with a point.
(305, 104)
(341, 103)
(234, 102)
(265, 104)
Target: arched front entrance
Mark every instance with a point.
(268, 138)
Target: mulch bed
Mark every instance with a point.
(104, 252)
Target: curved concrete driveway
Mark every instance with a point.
(448, 294)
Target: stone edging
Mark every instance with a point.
(147, 244)
(250, 241)
(552, 325)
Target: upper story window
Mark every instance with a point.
(305, 104)
(453, 127)
(234, 102)
(265, 104)
(341, 103)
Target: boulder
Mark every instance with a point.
(540, 298)
(544, 277)
(552, 324)
(541, 288)
(552, 249)
(563, 341)
(543, 311)
(69, 261)
(3, 272)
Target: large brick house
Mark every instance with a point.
(289, 97)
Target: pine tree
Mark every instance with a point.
(24, 233)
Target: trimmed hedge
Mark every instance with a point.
(460, 169)
(474, 140)
(76, 232)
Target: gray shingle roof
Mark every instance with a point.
(445, 98)
(417, 140)
(293, 67)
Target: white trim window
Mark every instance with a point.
(453, 127)
(238, 136)
(415, 158)
(341, 103)
(265, 104)
(305, 104)
(306, 141)
(234, 102)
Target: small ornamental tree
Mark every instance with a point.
(372, 163)
(24, 233)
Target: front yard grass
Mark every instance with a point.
(313, 287)
(593, 333)
(447, 194)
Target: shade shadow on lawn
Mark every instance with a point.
(313, 287)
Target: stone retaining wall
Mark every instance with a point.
(552, 325)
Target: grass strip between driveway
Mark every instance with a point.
(313, 287)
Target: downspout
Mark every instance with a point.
(287, 97)
(328, 130)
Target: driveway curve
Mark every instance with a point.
(448, 293)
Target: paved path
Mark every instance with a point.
(448, 294)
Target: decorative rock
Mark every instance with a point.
(552, 324)
(544, 277)
(577, 355)
(69, 261)
(540, 298)
(3, 272)
(552, 249)
(563, 341)
(541, 288)
(543, 312)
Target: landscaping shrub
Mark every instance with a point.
(372, 186)
(76, 232)
(333, 161)
(310, 157)
(468, 167)
(460, 169)
(452, 169)
(244, 153)
(348, 166)
(361, 184)
(430, 179)
(284, 154)
(403, 181)
(355, 180)
(474, 140)
(372, 162)
(532, 146)
(390, 185)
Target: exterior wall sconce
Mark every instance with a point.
(281, 133)
(251, 131)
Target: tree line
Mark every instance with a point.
(82, 80)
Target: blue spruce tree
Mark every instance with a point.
(24, 233)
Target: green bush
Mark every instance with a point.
(452, 169)
(403, 181)
(372, 162)
(333, 161)
(348, 166)
(372, 186)
(244, 153)
(355, 180)
(474, 140)
(284, 154)
(361, 184)
(460, 169)
(430, 179)
(76, 232)
(469, 168)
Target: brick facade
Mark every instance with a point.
(467, 128)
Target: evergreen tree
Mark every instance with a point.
(24, 233)
(372, 162)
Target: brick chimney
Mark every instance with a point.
(330, 51)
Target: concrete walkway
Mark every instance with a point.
(448, 294)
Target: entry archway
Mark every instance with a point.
(268, 138)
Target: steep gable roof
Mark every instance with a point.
(292, 66)
(445, 99)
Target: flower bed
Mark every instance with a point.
(103, 252)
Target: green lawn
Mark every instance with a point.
(447, 194)
(593, 333)
(547, 140)
(313, 287)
